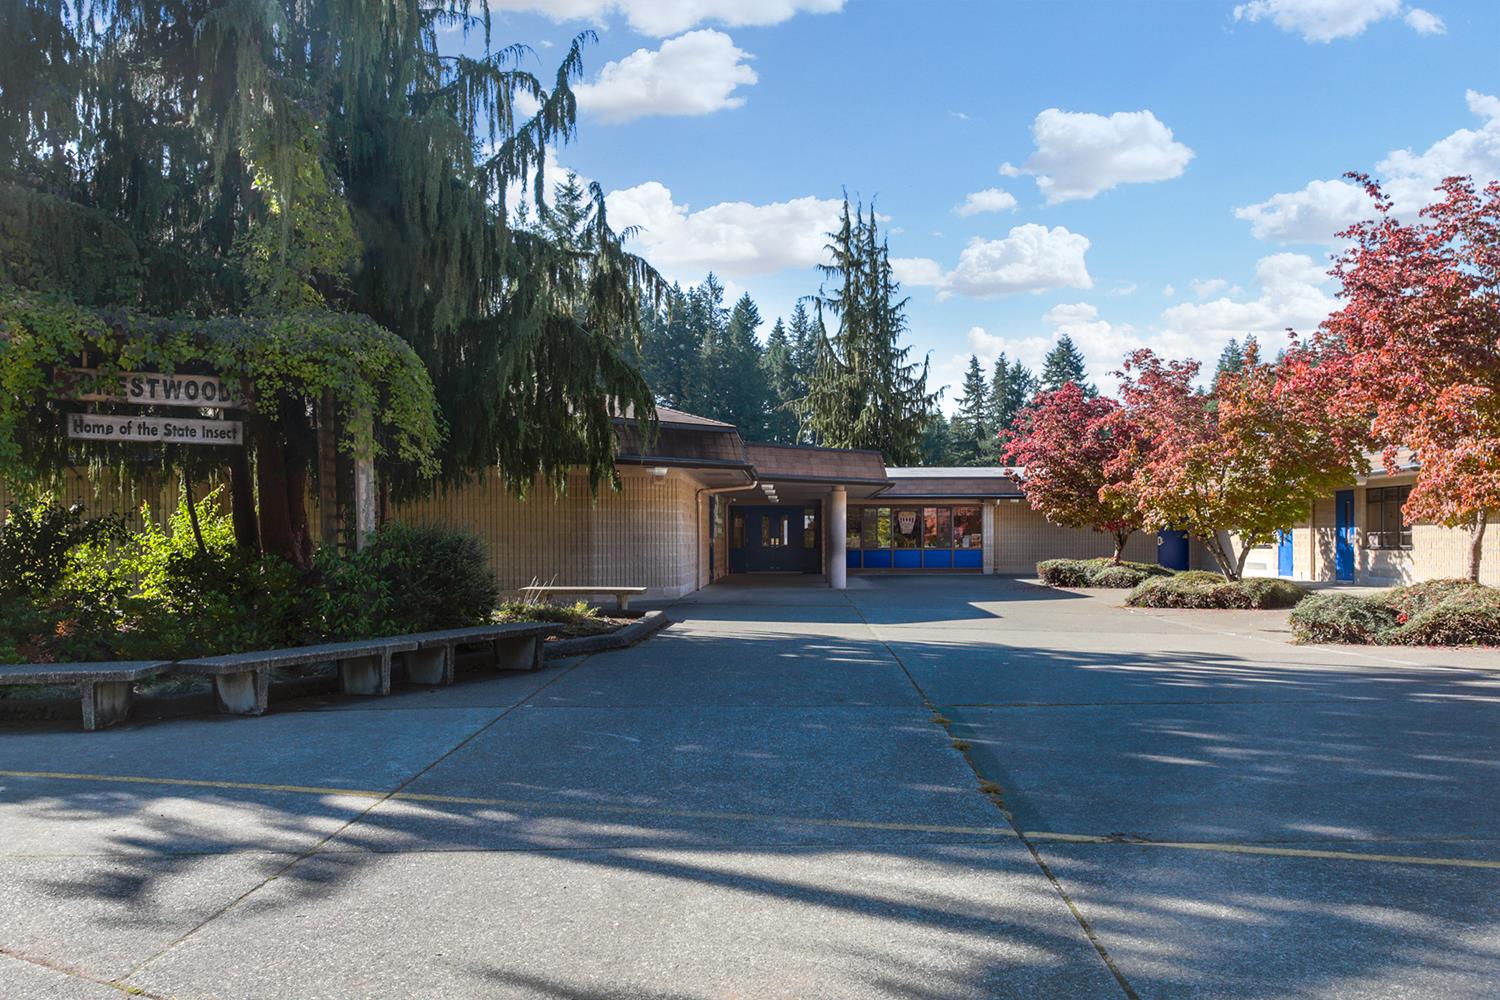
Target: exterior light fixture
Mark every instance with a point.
(660, 471)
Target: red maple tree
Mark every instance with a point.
(1418, 345)
(1235, 465)
(1079, 457)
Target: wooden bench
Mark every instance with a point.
(515, 646)
(105, 687)
(242, 681)
(622, 594)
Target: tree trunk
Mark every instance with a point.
(277, 533)
(1121, 537)
(1239, 563)
(192, 508)
(242, 500)
(1476, 543)
(1227, 565)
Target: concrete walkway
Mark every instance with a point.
(766, 800)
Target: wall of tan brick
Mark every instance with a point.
(1024, 537)
(644, 536)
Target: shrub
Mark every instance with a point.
(1342, 618)
(1117, 577)
(1087, 572)
(1199, 589)
(408, 579)
(37, 545)
(1467, 617)
(1413, 599)
(1063, 572)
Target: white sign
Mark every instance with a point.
(154, 430)
(906, 520)
(156, 389)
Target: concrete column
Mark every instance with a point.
(991, 548)
(838, 523)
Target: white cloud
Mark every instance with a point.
(1169, 291)
(1031, 258)
(1203, 288)
(1425, 22)
(733, 238)
(917, 272)
(1123, 288)
(1324, 207)
(988, 200)
(1079, 154)
(1313, 215)
(1319, 20)
(693, 74)
(660, 18)
(1293, 294)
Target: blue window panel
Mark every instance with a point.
(968, 559)
(851, 558)
(937, 559)
(908, 558)
(877, 558)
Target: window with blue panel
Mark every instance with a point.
(916, 537)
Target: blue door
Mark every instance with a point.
(774, 539)
(1343, 542)
(1172, 549)
(1284, 553)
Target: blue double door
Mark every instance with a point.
(774, 538)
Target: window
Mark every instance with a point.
(907, 525)
(1384, 526)
(809, 528)
(968, 528)
(877, 527)
(773, 531)
(737, 529)
(851, 528)
(937, 527)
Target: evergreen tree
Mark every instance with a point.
(670, 351)
(806, 333)
(1012, 386)
(1064, 364)
(972, 430)
(784, 385)
(268, 159)
(863, 393)
(1231, 359)
(937, 440)
(736, 389)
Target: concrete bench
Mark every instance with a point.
(105, 687)
(515, 646)
(242, 681)
(622, 594)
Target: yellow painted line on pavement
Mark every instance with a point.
(1266, 849)
(743, 817)
(519, 804)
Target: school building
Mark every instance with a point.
(699, 503)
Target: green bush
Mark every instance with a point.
(408, 579)
(1199, 589)
(1341, 618)
(1087, 572)
(1466, 617)
(1063, 572)
(1431, 613)
(1116, 577)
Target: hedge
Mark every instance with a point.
(1432, 613)
(1097, 573)
(1201, 589)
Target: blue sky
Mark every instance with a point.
(1160, 174)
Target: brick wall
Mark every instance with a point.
(1023, 538)
(643, 536)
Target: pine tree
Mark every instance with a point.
(972, 429)
(670, 351)
(1064, 364)
(1231, 359)
(784, 385)
(863, 393)
(736, 390)
(937, 440)
(270, 159)
(1012, 385)
(805, 333)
